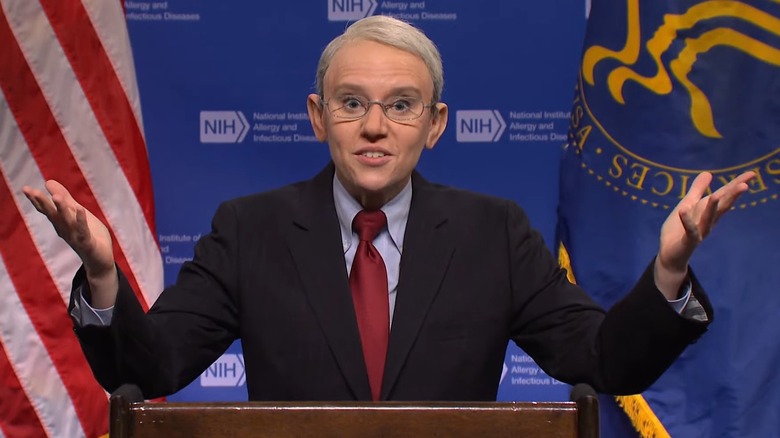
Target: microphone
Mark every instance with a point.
(581, 390)
(130, 392)
(587, 410)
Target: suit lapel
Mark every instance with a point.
(428, 248)
(315, 244)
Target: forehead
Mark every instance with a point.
(374, 68)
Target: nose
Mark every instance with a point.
(374, 123)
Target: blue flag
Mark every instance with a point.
(665, 91)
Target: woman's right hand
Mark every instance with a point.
(85, 234)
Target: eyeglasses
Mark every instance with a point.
(397, 109)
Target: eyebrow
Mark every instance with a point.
(359, 90)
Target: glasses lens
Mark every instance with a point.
(348, 107)
(399, 109)
(404, 108)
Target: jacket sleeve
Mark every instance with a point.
(620, 351)
(190, 325)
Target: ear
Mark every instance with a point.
(438, 124)
(316, 109)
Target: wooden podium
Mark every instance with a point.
(131, 418)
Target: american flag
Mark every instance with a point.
(70, 111)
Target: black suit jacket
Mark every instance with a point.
(473, 276)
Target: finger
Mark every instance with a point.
(61, 197)
(40, 201)
(689, 223)
(698, 188)
(67, 209)
(745, 177)
(741, 181)
(730, 198)
(82, 228)
(55, 188)
(731, 191)
(708, 216)
(60, 193)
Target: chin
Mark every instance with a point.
(371, 181)
(373, 187)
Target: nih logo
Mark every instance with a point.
(223, 127)
(228, 370)
(350, 10)
(479, 126)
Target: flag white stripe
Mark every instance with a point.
(89, 146)
(33, 366)
(107, 18)
(18, 165)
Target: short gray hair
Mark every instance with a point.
(392, 32)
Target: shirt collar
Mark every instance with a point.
(396, 210)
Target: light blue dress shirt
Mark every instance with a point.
(389, 243)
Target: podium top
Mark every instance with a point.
(355, 419)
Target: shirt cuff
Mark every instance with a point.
(85, 315)
(685, 295)
(687, 305)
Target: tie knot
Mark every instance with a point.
(368, 223)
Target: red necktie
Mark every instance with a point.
(368, 281)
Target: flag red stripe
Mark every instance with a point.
(43, 135)
(39, 295)
(17, 416)
(104, 91)
(43, 302)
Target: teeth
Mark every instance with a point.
(373, 154)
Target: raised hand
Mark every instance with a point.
(689, 223)
(85, 234)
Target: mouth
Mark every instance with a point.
(373, 157)
(373, 154)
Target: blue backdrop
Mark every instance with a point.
(224, 84)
